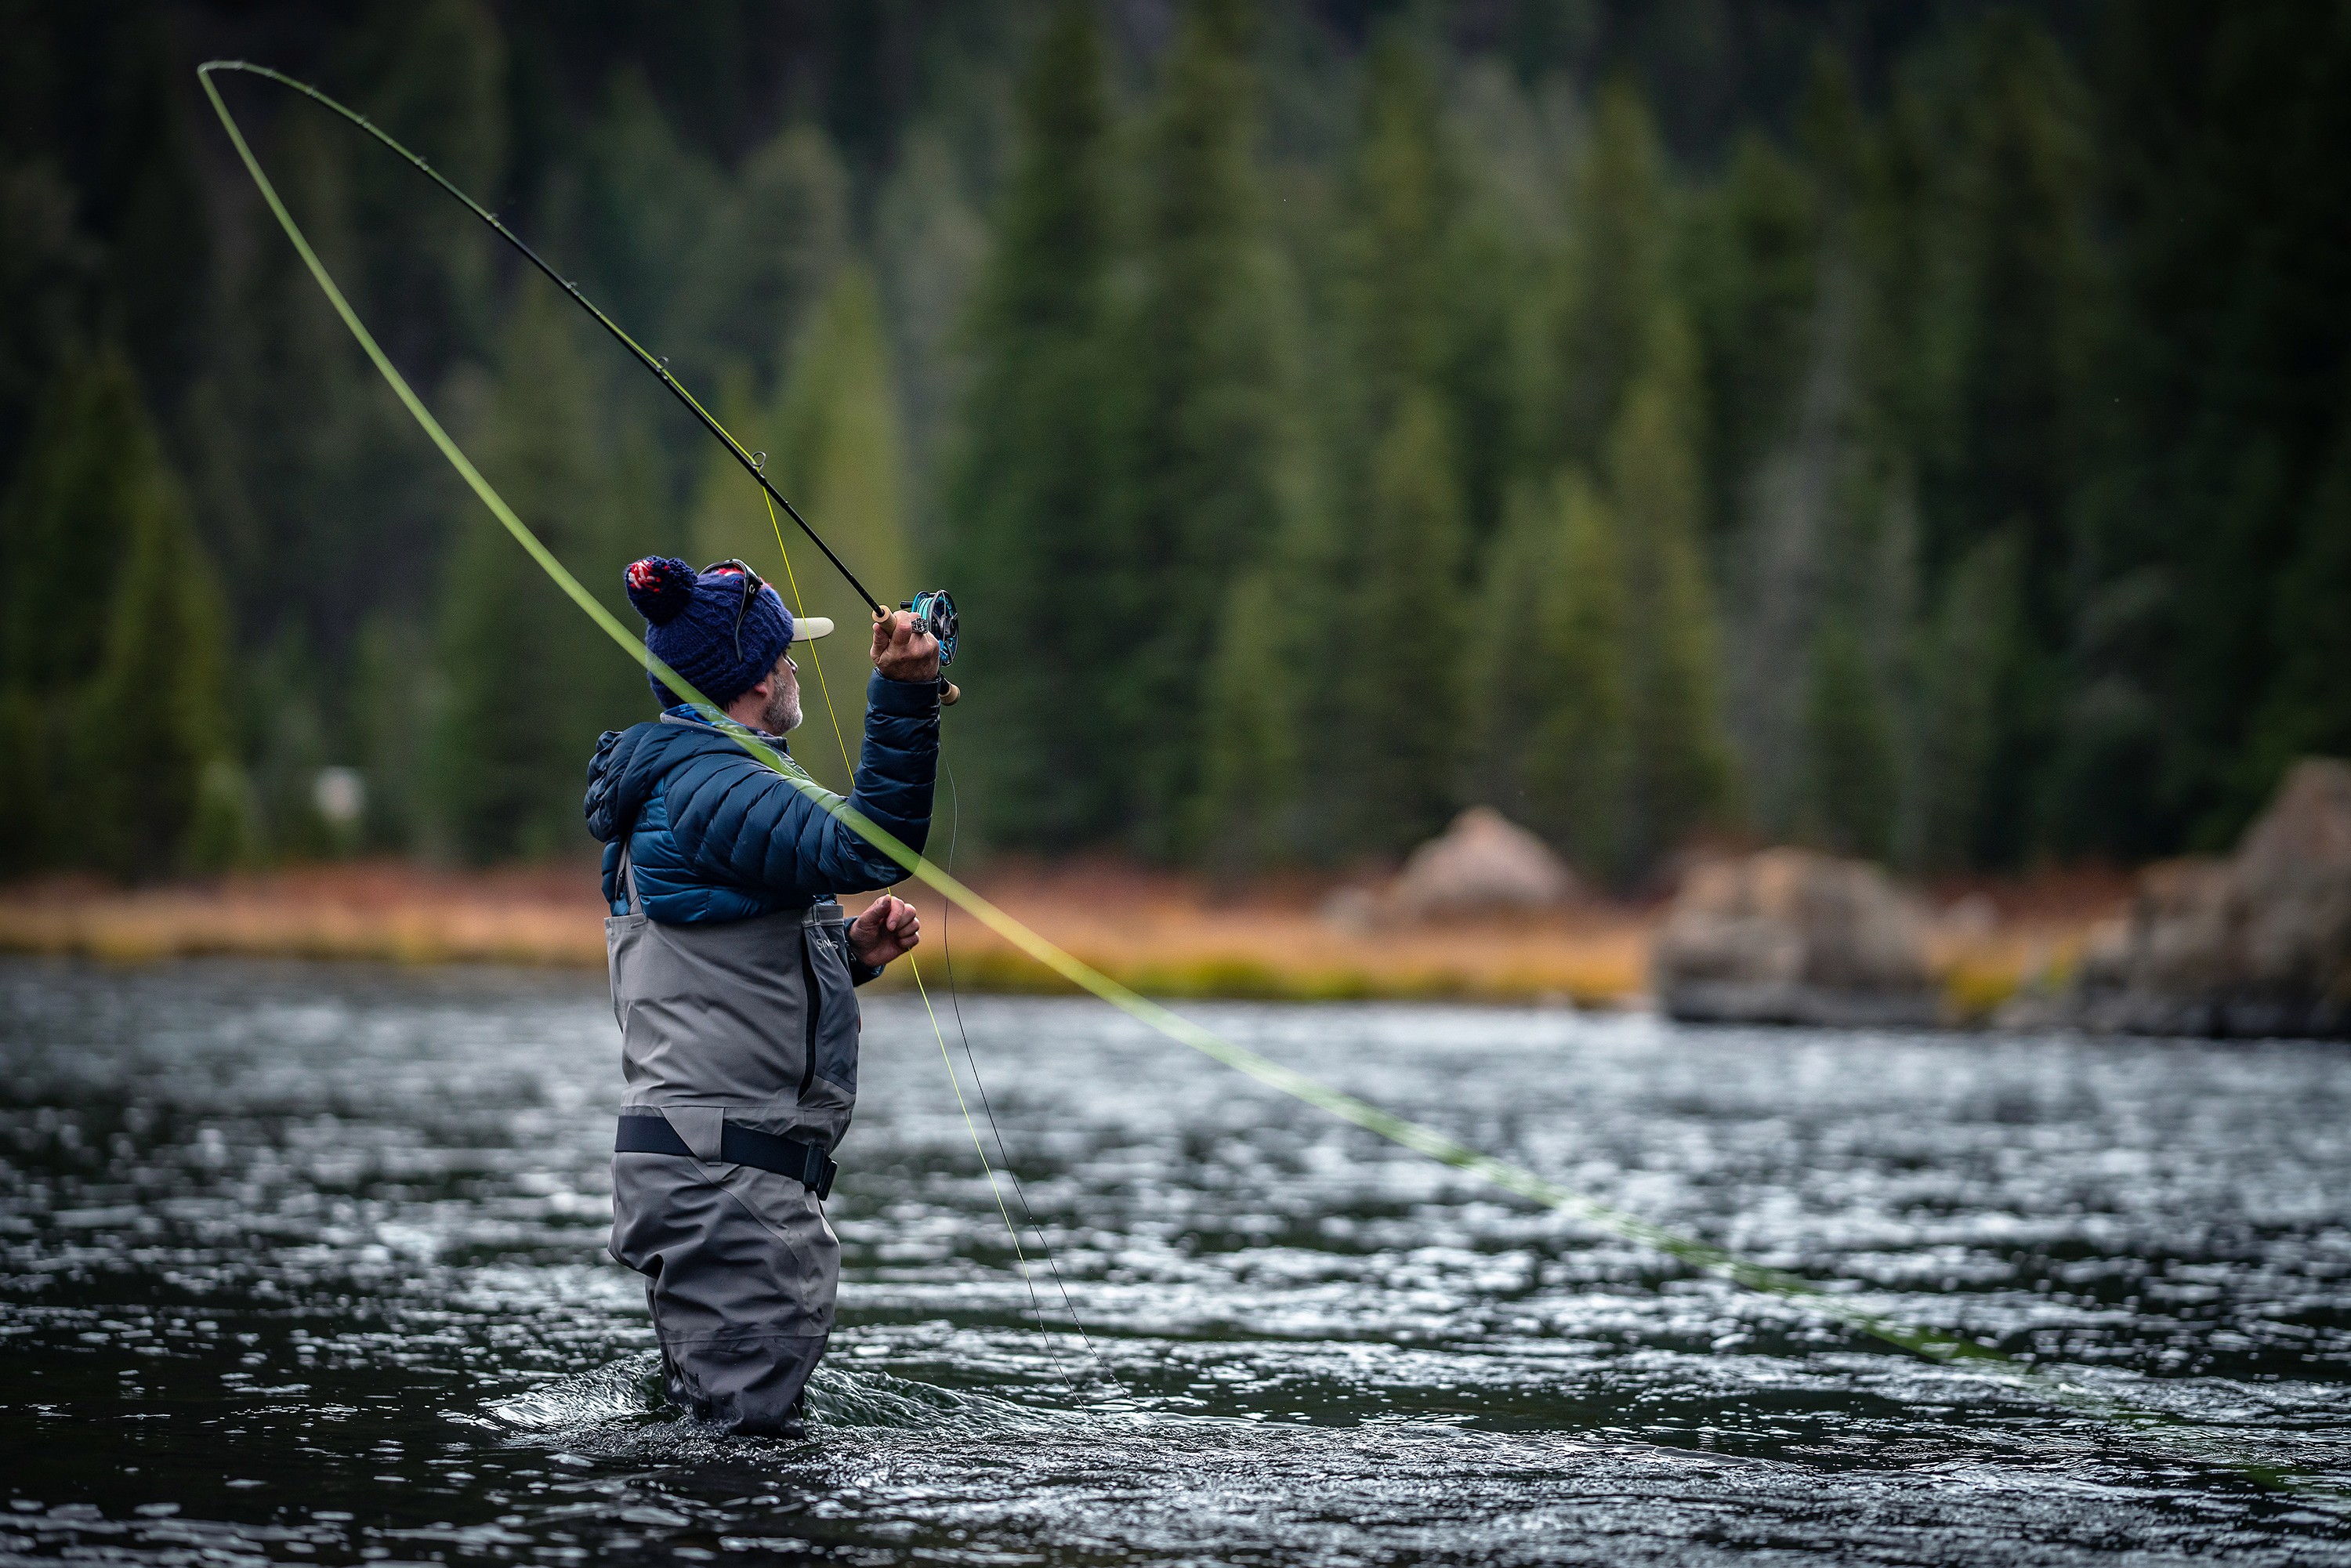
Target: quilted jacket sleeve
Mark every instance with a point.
(738, 822)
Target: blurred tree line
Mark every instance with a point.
(1923, 432)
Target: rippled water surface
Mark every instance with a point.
(308, 1264)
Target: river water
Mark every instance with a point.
(305, 1264)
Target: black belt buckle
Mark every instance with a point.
(809, 1165)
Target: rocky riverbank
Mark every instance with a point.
(1790, 936)
(2258, 943)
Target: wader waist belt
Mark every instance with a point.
(804, 1163)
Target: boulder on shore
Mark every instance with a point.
(1483, 862)
(1483, 865)
(2258, 943)
(1792, 936)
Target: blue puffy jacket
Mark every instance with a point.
(715, 834)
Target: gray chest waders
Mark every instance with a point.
(738, 1052)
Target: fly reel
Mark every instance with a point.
(934, 612)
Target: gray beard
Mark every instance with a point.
(782, 714)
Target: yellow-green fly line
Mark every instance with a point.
(1935, 1344)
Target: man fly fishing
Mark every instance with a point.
(733, 973)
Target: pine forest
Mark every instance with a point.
(1919, 431)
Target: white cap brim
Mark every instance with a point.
(809, 628)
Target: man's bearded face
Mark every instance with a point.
(781, 715)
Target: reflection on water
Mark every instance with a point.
(307, 1264)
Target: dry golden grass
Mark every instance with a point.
(373, 910)
(1169, 936)
(2027, 932)
(1162, 935)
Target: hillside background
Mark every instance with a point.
(1923, 432)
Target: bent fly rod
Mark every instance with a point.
(934, 609)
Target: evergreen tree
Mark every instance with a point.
(305, 466)
(303, 463)
(155, 789)
(928, 246)
(436, 74)
(1202, 430)
(144, 195)
(2222, 134)
(768, 261)
(652, 221)
(1026, 504)
(1403, 194)
(47, 268)
(833, 445)
(1680, 772)
(1548, 686)
(2021, 180)
(2014, 443)
(285, 696)
(394, 690)
(840, 455)
(728, 516)
(1394, 738)
(1483, 375)
(1814, 479)
(287, 406)
(530, 680)
(838, 437)
(69, 514)
(70, 506)
(1397, 692)
(1247, 813)
(2025, 183)
(120, 754)
(1612, 278)
(2306, 710)
(1850, 788)
(1961, 649)
(1252, 807)
(30, 740)
(1754, 268)
(140, 786)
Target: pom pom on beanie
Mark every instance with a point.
(661, 587)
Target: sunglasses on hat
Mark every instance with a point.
(753, 586)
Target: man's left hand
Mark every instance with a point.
(888, 929)
(902, 651)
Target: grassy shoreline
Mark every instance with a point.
(1159, 933)
(1163, 935)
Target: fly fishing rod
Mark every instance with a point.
(934, 609)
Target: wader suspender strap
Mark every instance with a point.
(629, 869)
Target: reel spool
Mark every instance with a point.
(934, 612)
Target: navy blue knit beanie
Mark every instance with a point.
(690, 625)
